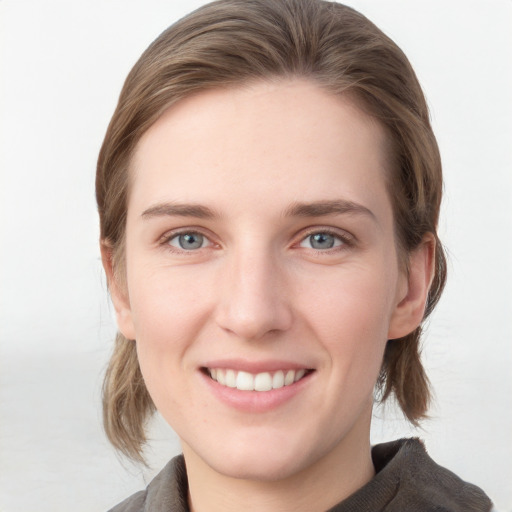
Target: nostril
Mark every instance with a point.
(254, 319)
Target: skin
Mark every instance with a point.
(258, 291)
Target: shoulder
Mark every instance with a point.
(134, 503)
(167, 492)
(407, 479)
(421, 484)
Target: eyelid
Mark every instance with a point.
(169, 235)
(346, 238)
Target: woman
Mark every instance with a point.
(269, 190)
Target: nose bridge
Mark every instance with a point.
(254, 300)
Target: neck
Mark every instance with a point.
(318, 487)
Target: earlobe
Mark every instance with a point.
(118, 293)
(410, 307)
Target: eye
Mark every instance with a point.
(189, 241)
(322, 241)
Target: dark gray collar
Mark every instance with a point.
(406, 480)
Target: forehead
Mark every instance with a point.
(289, 139)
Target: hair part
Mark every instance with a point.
(233, 42)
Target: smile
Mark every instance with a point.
(265, 381)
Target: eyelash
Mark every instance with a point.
(166, 239)
(345, 238)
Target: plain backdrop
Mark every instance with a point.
(62, 65)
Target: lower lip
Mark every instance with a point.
(255, 401)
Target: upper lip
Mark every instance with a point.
(256, 366)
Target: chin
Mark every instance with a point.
(265, 462)
(259, 469)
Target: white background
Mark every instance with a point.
(62, 67)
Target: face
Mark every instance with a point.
(262, 279)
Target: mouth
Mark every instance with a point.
(263, 381)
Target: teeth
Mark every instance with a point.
(289, 378)
(221, 377)
(299, 374)
(264, 381)
(244, 381)
(231, 378)
(278, 380)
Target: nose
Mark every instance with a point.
(254, 301)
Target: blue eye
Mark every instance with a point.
(188, 241)
(321, 241)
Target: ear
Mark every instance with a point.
(118, 292)
(412, 296)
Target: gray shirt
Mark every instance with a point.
(406, 480)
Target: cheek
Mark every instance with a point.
(359, 299)
(351, 318)
(167, 315)
(168, 305)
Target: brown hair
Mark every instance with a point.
(232, 42)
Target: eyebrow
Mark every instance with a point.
(331, 207)
(179, 210)
(297, 209)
